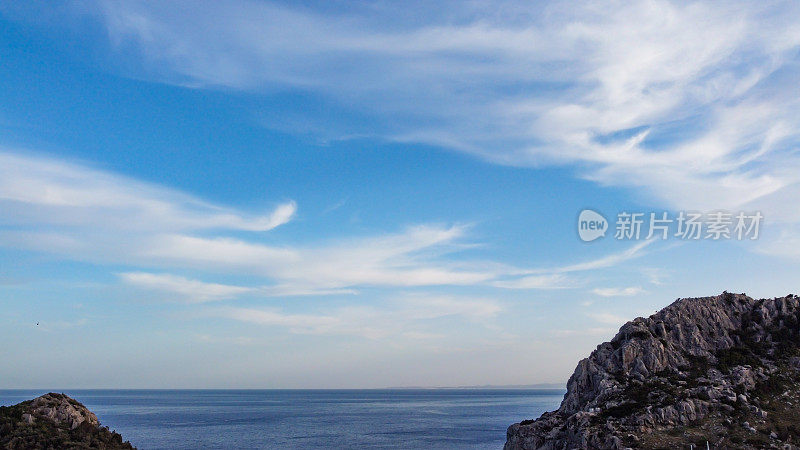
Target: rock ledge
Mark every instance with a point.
(723, 370)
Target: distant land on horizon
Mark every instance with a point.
(553, 386)
(559, 386)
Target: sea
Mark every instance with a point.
(301, 419)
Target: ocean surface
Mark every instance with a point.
(391, 418)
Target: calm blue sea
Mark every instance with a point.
(404, 418)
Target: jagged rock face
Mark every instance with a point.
(697, 364)
(60, 409)
(54, 421)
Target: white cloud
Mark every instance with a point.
(192, 291)
(196, 291)
(408, 258)
(86, 214)
(618, 292)
(610, 260)
(556, 278)
(45, 191)
(553, 281)
(692, 102)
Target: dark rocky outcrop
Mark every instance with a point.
(723, 370)
(54, 421)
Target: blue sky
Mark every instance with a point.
(340, 194)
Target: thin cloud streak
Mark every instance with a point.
(196, 291)
(618, 292)
(193, 291)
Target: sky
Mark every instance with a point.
(253, 194)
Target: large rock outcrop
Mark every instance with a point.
(54, 421)
(723, 370)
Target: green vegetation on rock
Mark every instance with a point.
(54, 421)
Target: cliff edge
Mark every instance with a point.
(723, 370)
(54, 421)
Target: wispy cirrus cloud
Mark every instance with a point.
(549, 281)
(384, 261)
(559, 277)
(42, 191)
(693, 103)
(610, 260)
(407, 258)
(86, 214)
(194, 291)
(618, 292)
(306, 271)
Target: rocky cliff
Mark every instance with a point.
(54, 421)
(723, 370)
